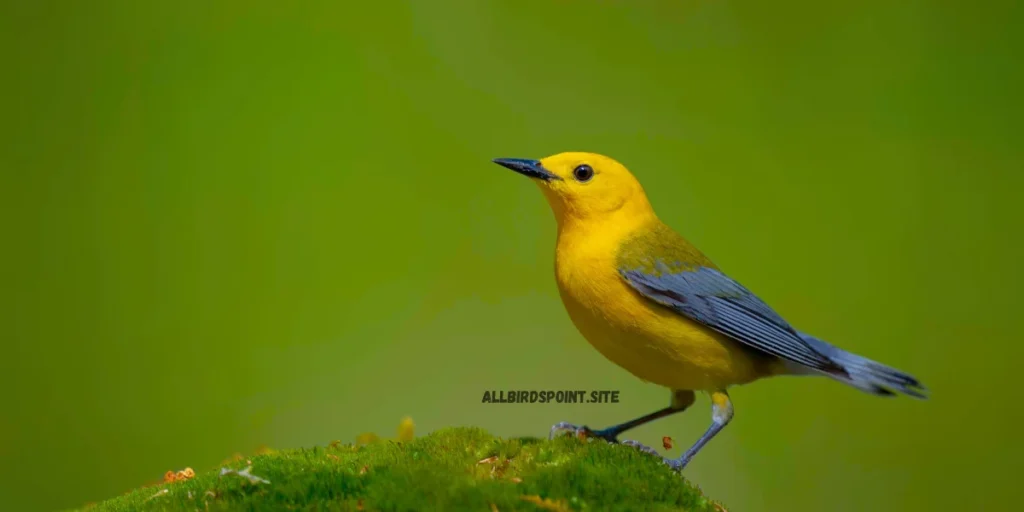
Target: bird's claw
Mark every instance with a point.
(677, 464)
(641, 447)
(557, 428)
(583, 432)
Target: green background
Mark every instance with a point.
(234, 224)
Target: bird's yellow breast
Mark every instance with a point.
(650, 341)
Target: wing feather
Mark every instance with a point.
(708, 296)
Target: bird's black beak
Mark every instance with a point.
(531, 168)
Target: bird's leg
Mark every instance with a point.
(609, 434)
(721, 414)
(681, 400)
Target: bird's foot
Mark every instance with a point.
(641, 447)
(583, 432)
(678, 464)
(675, 464)
(610, 435)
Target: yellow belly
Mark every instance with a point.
(650, 341)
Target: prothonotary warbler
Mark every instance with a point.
(652, 303)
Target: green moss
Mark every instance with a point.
(452, 469)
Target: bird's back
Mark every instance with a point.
(657, 241)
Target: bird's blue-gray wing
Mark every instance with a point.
(708, 296)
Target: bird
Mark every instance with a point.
(652, 303)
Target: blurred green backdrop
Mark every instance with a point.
(229, 224)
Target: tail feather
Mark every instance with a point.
(867, 375)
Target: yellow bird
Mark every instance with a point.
(652, 303)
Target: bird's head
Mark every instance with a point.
(584, 187)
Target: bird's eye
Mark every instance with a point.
(583, 173)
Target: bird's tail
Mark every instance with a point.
(867, 375)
